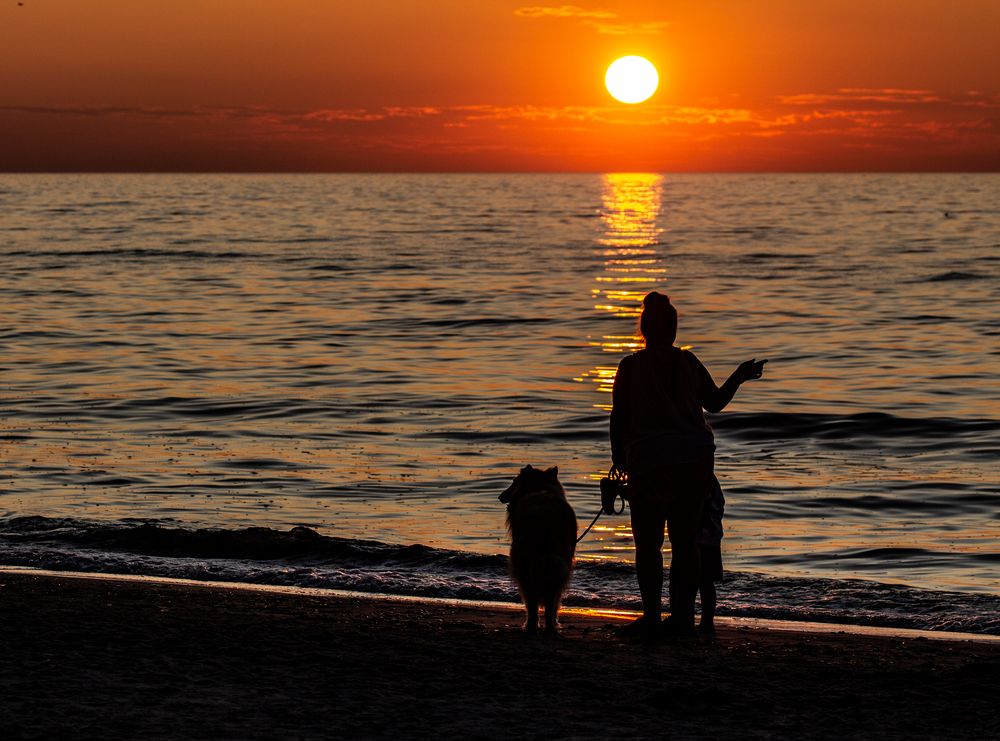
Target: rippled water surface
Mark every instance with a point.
(375, 356)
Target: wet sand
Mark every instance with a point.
(87, 658)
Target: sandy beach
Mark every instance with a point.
(105, 658)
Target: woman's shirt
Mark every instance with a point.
(657, 416)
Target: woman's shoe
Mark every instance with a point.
(641, 627)
(674, 627)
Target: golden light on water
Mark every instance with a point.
(631, 208)
(633, 265)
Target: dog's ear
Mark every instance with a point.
(552, 473)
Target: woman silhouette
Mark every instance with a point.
(660, 437)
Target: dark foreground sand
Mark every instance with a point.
(112, 659)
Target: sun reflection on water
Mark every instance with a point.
(632, 266)
(631, 209)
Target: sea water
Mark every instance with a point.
(192, 366)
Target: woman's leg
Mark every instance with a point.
(685, 566)
(648, 521)
(688, 495)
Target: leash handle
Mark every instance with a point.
(613, 488)
(619, 479)
(618, 475)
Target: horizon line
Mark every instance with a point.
(502, 172)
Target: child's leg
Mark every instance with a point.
(708, 599)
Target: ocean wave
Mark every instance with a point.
(770, 425)
(252, 543)
(857, 429)
(905, 498)
(953, 275)
(970, 436)
(301, 556)
(751, 257)
(438, 324)
(249, 408)
(137, 253)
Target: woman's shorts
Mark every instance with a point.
(675, 493)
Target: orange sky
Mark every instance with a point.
(487, 85)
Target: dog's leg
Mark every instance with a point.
(531, 624)
(551, 615)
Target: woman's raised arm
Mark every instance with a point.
(716, 398)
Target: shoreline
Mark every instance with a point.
(133, 658)
(611, 614)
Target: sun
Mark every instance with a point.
(631, 79)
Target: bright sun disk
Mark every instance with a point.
(631, 79)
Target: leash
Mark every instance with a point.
(592, 523)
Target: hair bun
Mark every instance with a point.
(655, 297)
